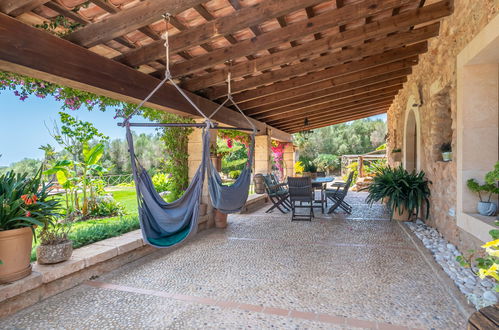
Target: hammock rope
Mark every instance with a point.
(167, 224)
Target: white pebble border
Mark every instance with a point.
(478, 292)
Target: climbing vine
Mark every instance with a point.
(174, 139)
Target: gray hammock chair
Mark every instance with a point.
(167, 224)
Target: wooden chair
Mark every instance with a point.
(337, 196)
(301, 191)
(277, 193)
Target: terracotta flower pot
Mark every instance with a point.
(220, 219)
(52, 254)
(15, 253)
(404, 216)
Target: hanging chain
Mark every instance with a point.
(167, 17)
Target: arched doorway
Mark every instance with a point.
(412, 136)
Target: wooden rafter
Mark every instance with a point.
(222, 26)
(328, 74)
(326, 87)
(385, 26)
(128, 20)
(326, 61)
(347, 101)
(285, 34)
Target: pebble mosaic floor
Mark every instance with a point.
(342, 271)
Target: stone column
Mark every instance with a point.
(195, 152)
(289, 159)
(263, 154)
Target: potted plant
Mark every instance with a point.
(484, 206)
(446, 150)
(397, 154)
(24, 204)
(405, 193)
(216, 157)
(55, 245)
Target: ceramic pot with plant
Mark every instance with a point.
(397, 155)
(446, 150)
(24, 204)
(405, 193)
(484, 206)
(55, 245)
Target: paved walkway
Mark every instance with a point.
(341, 272)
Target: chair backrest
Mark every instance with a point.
(344, 190)
(300, 187)
(321, 174)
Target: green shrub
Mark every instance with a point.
(161, 182)
(352, 167)
(107, 206)
(234, 174)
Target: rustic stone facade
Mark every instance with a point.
(433, 84)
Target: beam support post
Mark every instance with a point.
(195, 152)
(263, 154)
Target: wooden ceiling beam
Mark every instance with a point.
(18, 7)
(355, 53)
(35, 53)
(385, 26)
(345, 102)
(286, 34)
(338, 121)
(340, 112)
(339, 84)
(126, 21)
(394, 60)
(222, 26)
(323, 96)
(365, 104)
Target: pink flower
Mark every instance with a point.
(229, 143)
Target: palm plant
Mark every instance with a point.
(24, 201)
(402, 189)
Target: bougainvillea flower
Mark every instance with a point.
(28, 214)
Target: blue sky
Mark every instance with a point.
(22, 125)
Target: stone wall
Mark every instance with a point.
(433, 85)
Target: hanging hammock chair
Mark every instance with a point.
(167, 224)
(231, 199)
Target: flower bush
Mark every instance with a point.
(488, 265)
(278, 152)
(25, 201)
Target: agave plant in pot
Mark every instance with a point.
(406, 193)
(24, 204)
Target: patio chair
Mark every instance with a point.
(337, 196)
(301, 191)
(277, 193)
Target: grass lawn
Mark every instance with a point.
(86, 232)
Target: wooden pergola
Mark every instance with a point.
(296, 64)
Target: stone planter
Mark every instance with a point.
(404, 216)
(15, 253)
(220, 219)
(447, 156)
(52, 254)
(487, 208)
